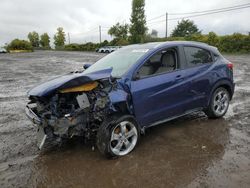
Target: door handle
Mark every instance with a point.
(179, 77)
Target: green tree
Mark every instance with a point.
(119, 31)
(45, 41)
(138, 27)
(59, 38)
(104, 43)
(17, 44)
(119, 42)
(236, 42)
(212, 39)
(185, 28)
(34, 38)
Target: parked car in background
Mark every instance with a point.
(107, 49)
(114, 100)
(3, 50)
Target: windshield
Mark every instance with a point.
(120, 60)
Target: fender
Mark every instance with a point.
(222, 82)
(120, 101)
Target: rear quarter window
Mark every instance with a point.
(196, 56)
(216, 57)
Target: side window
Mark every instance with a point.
(197, 56)
(216, 57)
(161, 62)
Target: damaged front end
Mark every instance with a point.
(71, 109)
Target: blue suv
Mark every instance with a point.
(113, 101)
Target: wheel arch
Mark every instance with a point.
(225, 83)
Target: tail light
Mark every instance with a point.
(230, 66)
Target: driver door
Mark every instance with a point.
(158, 90)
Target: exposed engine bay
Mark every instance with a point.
(76, 111)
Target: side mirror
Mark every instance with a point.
(85, 66)
(136, 76)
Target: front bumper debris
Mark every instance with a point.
(32, 116)
(41, 137)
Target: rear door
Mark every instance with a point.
(159, 87)
(199, 63)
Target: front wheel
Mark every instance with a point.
(118, 136)
(219, 103)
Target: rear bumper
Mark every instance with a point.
(32, 116)
(233, 88)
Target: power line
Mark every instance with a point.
(211, 10)
(98, 30)
(215, 12)
(107, 27)
(196, 15)
(202, 12)
(190, 15)
(155, 18)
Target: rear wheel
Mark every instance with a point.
(118, 136)
(219, 103)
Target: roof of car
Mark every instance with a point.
(162, 44)
(154, 45)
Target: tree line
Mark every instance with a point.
(38, 42)
(43, 41)
(137, 32)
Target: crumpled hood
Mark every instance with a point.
(66, 81)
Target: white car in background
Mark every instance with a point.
(3, 50)
(107, 49)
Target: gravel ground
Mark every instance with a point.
(192, 151)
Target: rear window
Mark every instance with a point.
(197, 56)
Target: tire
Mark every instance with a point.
(107, 51)
(117, 136)
(218, 104)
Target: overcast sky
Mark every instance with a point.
(81, 18)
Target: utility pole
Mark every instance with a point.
(100, 33)
(68, 38)
(166, 24)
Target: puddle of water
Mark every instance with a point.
(177, 149)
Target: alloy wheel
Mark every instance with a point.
(123, 138)
(221, 102)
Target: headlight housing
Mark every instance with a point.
(85, 87)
